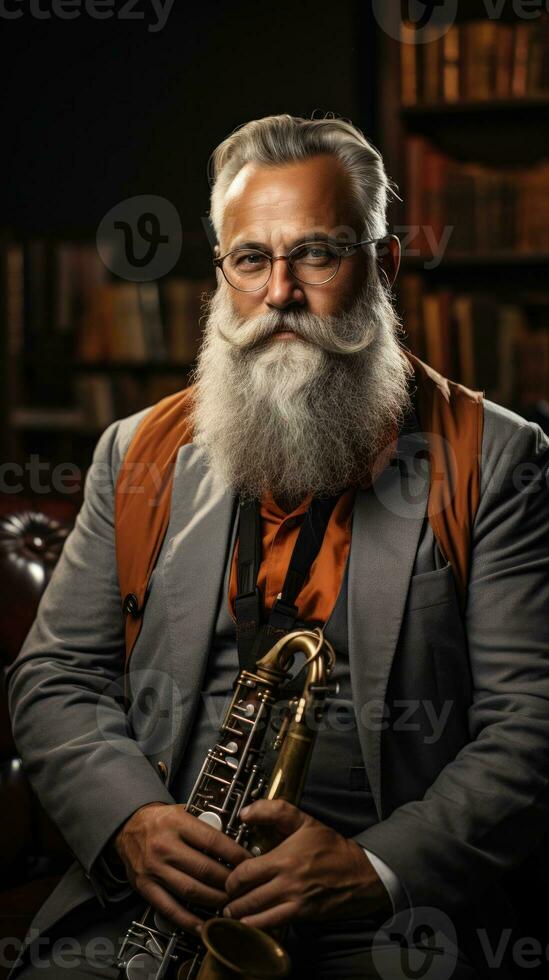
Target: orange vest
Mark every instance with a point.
(450, 416)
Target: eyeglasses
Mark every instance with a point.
(314, 263)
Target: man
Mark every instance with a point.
(429, 781)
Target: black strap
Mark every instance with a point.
(249, 548)
(254, 636)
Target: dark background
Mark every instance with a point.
(97, 111)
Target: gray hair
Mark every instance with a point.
(276, 140)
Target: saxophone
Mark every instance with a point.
(232, 776)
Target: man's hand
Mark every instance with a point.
(314, 874)
(171, 857)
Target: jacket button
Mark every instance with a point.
(131, 604)
(163, 770)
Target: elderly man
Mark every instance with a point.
(429, 777)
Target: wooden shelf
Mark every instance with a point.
(47, 419)
(162, 367)
(144, 367)
(462, 260)
(436, 109)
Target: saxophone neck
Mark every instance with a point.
(296, 738)
(319, 654)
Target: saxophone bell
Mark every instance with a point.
(239, 952)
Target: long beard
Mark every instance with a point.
(295, 417)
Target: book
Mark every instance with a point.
(411, 292)
(408, 70)
(15, 298)
(533, 360)
(476, 60)
(473, 338)
(432, 65)
(519, 77)
(486, 209)
(155, 340)
(479, 69)
(451, 53)
(183, 299)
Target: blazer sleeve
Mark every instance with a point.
(69, 725)
(489, 807)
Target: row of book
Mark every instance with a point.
(501, 348)
(60, 293)
(96, 400)
(476, 60)
(48, 285)
(101, 397)
(472, 207)
(141, 322)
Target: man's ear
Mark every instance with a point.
(217, 251)
(388, 257)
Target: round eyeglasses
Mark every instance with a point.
(314, 263)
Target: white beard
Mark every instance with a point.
(295, 417)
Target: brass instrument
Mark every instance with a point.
(231, 777)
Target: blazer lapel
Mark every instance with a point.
(387, 522)
(200, 526)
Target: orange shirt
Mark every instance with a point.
(279, 534)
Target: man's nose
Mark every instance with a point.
(283, 288)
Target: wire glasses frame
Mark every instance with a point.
(338, 251)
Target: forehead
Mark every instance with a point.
(275, 204)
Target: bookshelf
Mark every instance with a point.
(81, 348)
(65, 373)
(462, 123)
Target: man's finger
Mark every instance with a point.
(200, 866)
(257, 900)
(169, 908)
(250, 874)
(205, 838)
(280, 915)
(190, 891)
(286, 817)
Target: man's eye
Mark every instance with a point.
(250, 258)
(248, 262)
(314, 254)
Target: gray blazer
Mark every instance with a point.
(453, 713)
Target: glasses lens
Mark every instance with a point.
(247, 269)
(314, 263)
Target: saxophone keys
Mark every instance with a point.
(163, 925)
(142, 966)
(212, 819)
(184, 971)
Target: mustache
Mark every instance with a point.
(344, 334)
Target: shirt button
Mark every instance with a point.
(131, 604)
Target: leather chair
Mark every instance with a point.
(32, 852)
